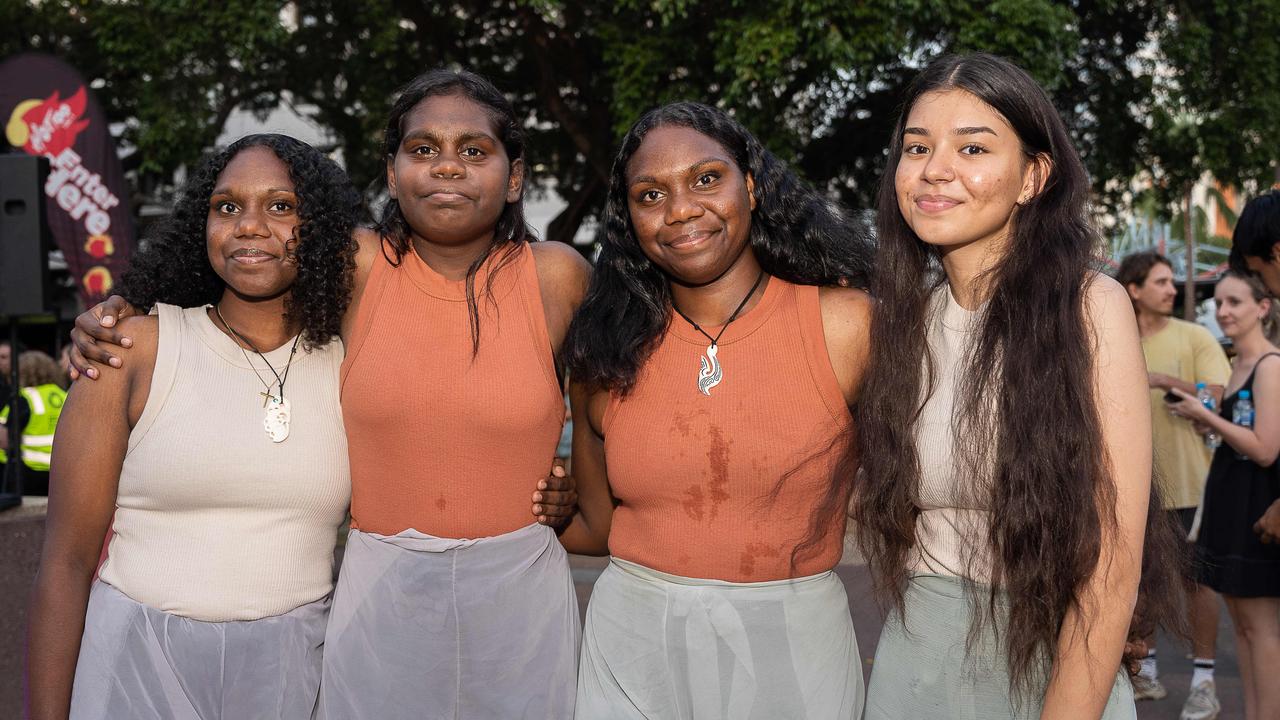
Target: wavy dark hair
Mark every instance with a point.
(1257, 231)
(796, 234)
(511, 230)
(173, 267)
(1028, 432)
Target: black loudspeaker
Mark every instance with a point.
(24, 236)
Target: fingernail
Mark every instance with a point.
(542, 484)
(126, 342)
(537, 497)
(114, 362)
(537, 509)
(108, 320)
(92, 373)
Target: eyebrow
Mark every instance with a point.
(464, 137)
(691, 169)
(228, 191)
(975, 130)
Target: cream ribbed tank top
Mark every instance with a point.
(951, 530)
(214, 521)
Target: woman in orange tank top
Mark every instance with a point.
(714, 362)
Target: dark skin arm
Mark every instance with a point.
(88, 452)
(588, 531)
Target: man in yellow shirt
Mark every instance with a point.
(1179, 355)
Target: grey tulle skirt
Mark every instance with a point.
(427, 627)
(664, 646)
(922, 670)
(139, 663)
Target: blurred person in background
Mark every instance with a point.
(38, 407)
(1179, 356)
(1242, 484)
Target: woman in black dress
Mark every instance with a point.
(1242, 484)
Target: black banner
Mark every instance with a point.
(49, 111)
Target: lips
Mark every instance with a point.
(252, 255)
(935, 203)
(446, 196)
(691, 239)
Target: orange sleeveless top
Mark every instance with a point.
(722, 487)
(441, 441)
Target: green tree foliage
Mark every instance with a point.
(818, 80)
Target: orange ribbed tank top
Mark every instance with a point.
(722, 487)
(441, 441)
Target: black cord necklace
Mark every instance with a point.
(278, 409)
(710, 372)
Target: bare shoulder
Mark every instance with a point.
(368, 245)
(563, 274)
(845, 311)
(145, 331)
(1107, 303)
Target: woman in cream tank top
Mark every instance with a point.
(217, 453)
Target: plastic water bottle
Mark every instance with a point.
(1242, 413)
(1213, 439)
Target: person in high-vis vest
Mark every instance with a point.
(39, 405)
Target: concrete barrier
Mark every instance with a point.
(21, 537)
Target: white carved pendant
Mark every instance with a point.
(276, 421)
(710, 373)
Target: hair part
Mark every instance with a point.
(173, 265)
(796, 234)
(511, 229)
(1017, 376)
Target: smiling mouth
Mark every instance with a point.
(935, 203)
(446, 196)
(691, 239)
(252, 256)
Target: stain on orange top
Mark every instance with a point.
(723, 487)
(440, 441)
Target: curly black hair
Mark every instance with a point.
(511, 229)
(173, 267)
(796, 234)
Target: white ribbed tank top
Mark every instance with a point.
(951, 530)
(213, 520)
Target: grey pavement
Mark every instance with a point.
(1175, 664)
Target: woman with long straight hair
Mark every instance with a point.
(1005, 475)
(1242, 484)
(715, 360)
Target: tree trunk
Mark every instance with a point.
(565, 226)
(1189, 286)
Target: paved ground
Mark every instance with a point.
(1175, 668)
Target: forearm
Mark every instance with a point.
(585, 537)
(1090, 645)
(1243, 440)
(57, 614)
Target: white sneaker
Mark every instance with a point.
(1148, 689)
(1202, 703)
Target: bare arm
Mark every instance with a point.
(846, 325)
(1261, 443)
(1093, 634)
(563, 276)
(88, 451)
(588, 533)
(368, 246)
(1168, 382)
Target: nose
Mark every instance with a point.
(938, 169)
(251, 223)
(448, 167)
(682, 206)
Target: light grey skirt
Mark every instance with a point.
(664, 646)
(427, 627)
(923, 672)
(139, 663)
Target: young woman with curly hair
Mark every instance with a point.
(1005, 478)
(217, 452)
(714, 361)
(453, 408)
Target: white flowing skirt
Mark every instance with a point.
(663, 646)
(140, 663)
(428, 627)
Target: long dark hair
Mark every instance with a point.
(511, 229)
(1027, 429)
(173, 267)
(796, 234)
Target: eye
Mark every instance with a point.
(706, 179)
(972, 149)
(281, 206)
(914, 149)
(472, 152)
(650, 196)
(422, 150)
(225, 207)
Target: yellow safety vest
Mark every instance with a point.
(45, 402)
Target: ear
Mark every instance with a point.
(1132, 289)
(751, 190)
(515, 181)
(391, 177)
(1035, 178)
